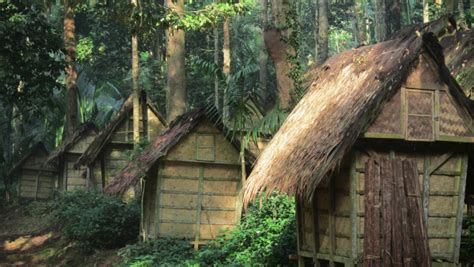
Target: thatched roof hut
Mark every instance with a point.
(36, 180)
(66, 155)
(94, 150)
(345, 96)
(193, 176)
(109, 152)
(377, 155)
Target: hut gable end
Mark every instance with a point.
(423, 109)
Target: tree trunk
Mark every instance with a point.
(380, 26)
(175, 50)
(7, 150)
(226, 65)
(216, 63)
(360, 22)
(393, 18)
(71, 87)
(135, 85)
(462, 15)
(426, 11)
(316, 29)
(323, 34)
(263, 57)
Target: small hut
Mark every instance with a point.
(66, 155)
(35, 179)
(193, 180)
(376, 154)
(111, 149)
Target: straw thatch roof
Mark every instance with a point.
(344, 97)
(95, 148)
(459, 53)
(38, 146)
(70, 141)
(159, 148)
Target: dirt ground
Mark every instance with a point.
(27, 238)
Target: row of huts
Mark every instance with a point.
(379, 155)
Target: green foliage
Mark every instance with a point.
(266, 236)
(97, 221)
(467, 241)
(161, 252)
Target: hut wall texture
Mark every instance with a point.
(116, 152)
(194, 191)
(35, 181)
(72, 178)
(422, 110)
(338, 213)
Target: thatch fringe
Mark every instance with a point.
(345, 96)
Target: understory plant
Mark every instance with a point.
(96, 221)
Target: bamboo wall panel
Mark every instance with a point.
(124, 132)
(35, 180)
(197, 189)
(389, 120)
(450, 120)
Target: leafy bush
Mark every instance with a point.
(161, 252)
(266, 236)
(467, 241)
(97, 221)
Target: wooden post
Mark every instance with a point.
(199, 207)
(415, 214)
(354, 206)
(387, 188)
(462, 192)
(372, 214)
(397, 227)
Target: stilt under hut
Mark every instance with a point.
(193, 176)
(35, 179)
(66, 155)
(376, 154)
(110, 151)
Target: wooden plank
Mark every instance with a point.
(332, 221)
(199, 207)
(353, 193)
(372, 214)
(396, 205)
(158, 205)
(426, 186)
(462, 192)
(415, 214)
(387, 188)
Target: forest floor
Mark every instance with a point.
(27, 238)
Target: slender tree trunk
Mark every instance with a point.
(263, 57)
(175, 50)
(316, 29)
(71, 87)
(7, 150)
(226, 65)
(393, 16)
(426, 11)
(380, 26)
(462, 15)
(135, 85)
(323, 34)
(360, 22)
(216, 63)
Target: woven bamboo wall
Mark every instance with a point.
(72, 178)
(124, 132)
(194, 194)
(115, 155)
(422, 110)
(35, 181)
(442, 178)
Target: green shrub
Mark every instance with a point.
(97, 221)
(266, 236)
(161, 252)
(467, 241)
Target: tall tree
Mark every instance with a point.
(279, 50)
(71, 86)
(216, 63)
(426, 11)
(323, 33)
(263, 57)
(380, 25)
(175, 51)
(393, 16)
(226, 64)
(135, 83)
